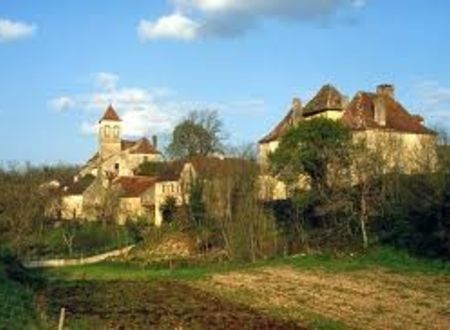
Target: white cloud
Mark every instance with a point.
(432, 100)
(106, 80)
(89, 128)
(62, 103)
(14, 30)
(229, 18)
(146, 111)
(175, 26)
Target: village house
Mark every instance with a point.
(378, 118)
(113, 168)
(111, 182)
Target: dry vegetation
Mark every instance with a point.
(364, 299)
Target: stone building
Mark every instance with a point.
(377, 117)
(112, 171)
(116, 155)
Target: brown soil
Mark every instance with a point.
(152, 305)
(366, 299)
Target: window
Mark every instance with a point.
(145, 159)
(117, 167)
(116, 131)
(107, 131)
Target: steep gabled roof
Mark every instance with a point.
(171, 171)
(360, 115)
(110, 114)
(328, 98)
(280, 129)
(213, 167)
(127, 144)
(134, 186)
(143, 146)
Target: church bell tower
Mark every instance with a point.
(109, 134)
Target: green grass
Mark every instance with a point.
(388, 259)
(16, 304)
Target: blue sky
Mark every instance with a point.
(62, 62)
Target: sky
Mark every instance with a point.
(63, 62)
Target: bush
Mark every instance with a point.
(416, 216)
(75, 239)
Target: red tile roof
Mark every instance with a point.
(328, 98)
(210, 167)
(110, 114)
(127, 144)
(279, 130)
(134, 186)
(143, 146)
(360, 115)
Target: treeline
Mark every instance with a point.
(342, 194)
(346, 191)
(23, 200)
(363, 192)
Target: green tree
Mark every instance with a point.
(169, 209)
(201, 133)
(151, 168)
(312, 148)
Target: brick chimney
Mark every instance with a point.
(297, 109)
(379, 111)
(386, 90)
(155, 141)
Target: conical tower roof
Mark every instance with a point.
(110, 115)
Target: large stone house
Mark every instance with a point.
(377, 117)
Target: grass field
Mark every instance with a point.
(379, 290)
(17, 309)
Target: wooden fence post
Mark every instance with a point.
(62, 314)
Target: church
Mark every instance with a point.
(116, 155)
(109, 181)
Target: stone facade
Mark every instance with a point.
(112, 173)
(377, 118)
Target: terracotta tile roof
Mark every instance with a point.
(328, 98)
(172, 171)
(279, 130)
(134, 186)
(127, 144)
(360, 115)
(210, 167)
(110, 114)
(143, 146)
